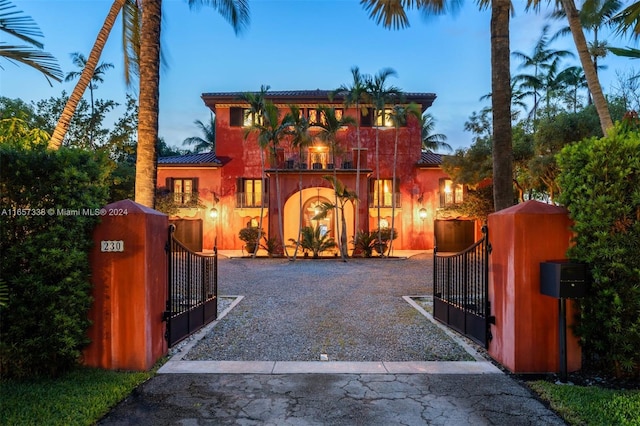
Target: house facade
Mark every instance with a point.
(218, 194)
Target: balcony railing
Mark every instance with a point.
(250, 200)
(386, 201)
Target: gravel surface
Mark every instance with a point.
(353, 311)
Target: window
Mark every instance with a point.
(184, 190)
(384, 119)
(315, 113)
(240, 117)
(382, 193)
(450, 193)
(249, 193)
(366, 118)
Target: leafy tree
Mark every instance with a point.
(206, 143)
(25, 28)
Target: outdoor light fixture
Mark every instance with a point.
(213, 213)
(422, 213)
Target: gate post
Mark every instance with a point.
(129, 277)
(525, 333)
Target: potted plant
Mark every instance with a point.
(316, 240)
(363, 243)
(251, 237)
(382, 238)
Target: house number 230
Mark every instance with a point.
(111, 246)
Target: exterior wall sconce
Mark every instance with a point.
(422, 213)
(213, 213)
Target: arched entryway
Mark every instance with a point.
(310, 199)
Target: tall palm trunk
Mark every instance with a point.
(501, 104)
(279, 206)
(146, 156)
(85, 78)
(393, 192)
(356, 203)
(262, 199)
(587, 64)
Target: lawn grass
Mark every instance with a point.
(591, 405)
(80, 397)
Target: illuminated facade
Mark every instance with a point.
(220, 193)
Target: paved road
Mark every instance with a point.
(451, 395)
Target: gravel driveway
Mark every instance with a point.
(353, 311)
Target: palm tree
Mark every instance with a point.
(432, 141)
(206, 143)
(270, 133)
(541, 59)
(256, 103)
(146, 48)
(85, 77)
(25, 28)
(356, 95)
(399, 117)
(573, 80)
(343, 196)
(392, 15)
(331, 125)
(593, 16)
(300, 139)
(380, 95)
(80, 61)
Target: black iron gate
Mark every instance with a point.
(193, 289)
(460, 290)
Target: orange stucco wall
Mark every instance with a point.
(129, 289)
(525, 335)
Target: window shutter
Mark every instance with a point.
(194, 185)
(366, 120)
(236, 117)
(169, 184)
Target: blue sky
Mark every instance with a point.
(290, 45)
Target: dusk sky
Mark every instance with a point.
(291, 45)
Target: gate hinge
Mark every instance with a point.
(166, 315)
(491, 319)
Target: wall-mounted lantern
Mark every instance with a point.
(213, 213)
(422, 213)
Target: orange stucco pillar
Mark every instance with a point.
(525, 335)
(129, 277)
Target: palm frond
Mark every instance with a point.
(20, 26)
(235, 12)
(37, 59)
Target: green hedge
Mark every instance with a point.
(46, 203)
(600, 185)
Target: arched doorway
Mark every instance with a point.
(311, 208)
(310, 198)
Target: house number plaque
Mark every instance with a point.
(111, 246)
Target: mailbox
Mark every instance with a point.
(563, 279)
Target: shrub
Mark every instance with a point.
(48, 205)
(600, 186)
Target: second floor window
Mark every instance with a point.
(382, 193)
(249, 193)
(450, 193)
(240, 117)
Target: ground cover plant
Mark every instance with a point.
(591, 405)
(79, 397)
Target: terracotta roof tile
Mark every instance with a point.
(204, 158)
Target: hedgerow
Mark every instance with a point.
(46, 223)
(600, 186)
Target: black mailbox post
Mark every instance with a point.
(563, 280)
